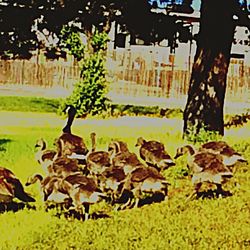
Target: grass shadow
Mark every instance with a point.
(15, 206)
(155, 198)
(213, 194)
(2, 143)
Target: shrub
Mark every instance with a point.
(203, 136)
(89, 94)
(70, 39)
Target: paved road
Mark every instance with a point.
(30, 119)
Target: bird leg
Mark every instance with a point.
(221, 192)
(86, 212)
(196, 189)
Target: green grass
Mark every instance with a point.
(31, 104)
(173, 224)
(40, 104)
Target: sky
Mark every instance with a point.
(196, 4)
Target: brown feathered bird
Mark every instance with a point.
(154, 154)
(68, 144)
(229, 155)
(145, 180)
(97, 161)
(205, 167)
(44, 156)
(82, 190)
(11, 187)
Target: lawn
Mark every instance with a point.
(219, 223)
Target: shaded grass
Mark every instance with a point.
(31, 104)
(41, 104)
(172, 224)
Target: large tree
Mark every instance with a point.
(204, 107)
(40, 22)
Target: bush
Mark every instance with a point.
(70, 39)
(89, 94)
(203, 136)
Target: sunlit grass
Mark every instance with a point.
(173, 224)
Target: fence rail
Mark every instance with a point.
(132, 74)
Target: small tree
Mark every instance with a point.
(89, 94)
(70, 39)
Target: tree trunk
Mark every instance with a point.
(204, 108)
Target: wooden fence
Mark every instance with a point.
(132, 74)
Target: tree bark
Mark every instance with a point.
(204, 107)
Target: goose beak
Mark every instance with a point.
(177, 156)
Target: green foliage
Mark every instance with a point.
(120, 110)
(99, 41)
(71, 40)
(203, 136)
(89, 94)
(40, 104)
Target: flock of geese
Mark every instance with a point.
(78, 177)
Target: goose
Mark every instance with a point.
(154, 154)
(97, 161)
(229, 155)
(11, 187)
(121, 156)
(111, 182)
(69, 144)
(43, 155)
(64, 166)
(115, 147)
(145, 180)
(51, 187)
(53, 164)
(205, 167)
(82, 191)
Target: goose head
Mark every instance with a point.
(33, 179)
(187, 149)
(115, 147)
(140, 142)
(41, 144)
(71, 115)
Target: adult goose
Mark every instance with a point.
(68, 144)
(154, 154)
(11, 187)
(205, 167)
(229, 155)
